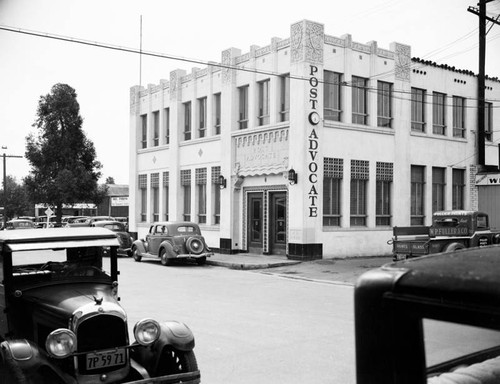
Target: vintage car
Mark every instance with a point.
(172, 241)
(19, 224)
(433, 319)
(61, 322)
(121, 233)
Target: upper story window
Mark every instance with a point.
(187, 120)
(263, 116)
(167, 125)
(488, 121)
(144, 131)
(332, 96)
(384, 104)
(438, 113)
(417, 110)
(243, 107)
(202, 116)
(458, 116)
(285, 97)
(217, 113)
(156, 128)
(359, 100)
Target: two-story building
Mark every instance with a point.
(314, 146)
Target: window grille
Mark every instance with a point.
(359, 170)
(143, 181)
(215, 175)
(166, 179)
(384, 171)
(333, 168)
(201, 176)
(185, 177)
(155, 180)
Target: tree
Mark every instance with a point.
(64, 169)
(110, 180)
(16, 202)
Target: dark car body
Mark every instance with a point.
(61, 321)
(433, 319)
(88, 221)
(172, 241)
(122, 235)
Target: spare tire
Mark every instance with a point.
(194, 245)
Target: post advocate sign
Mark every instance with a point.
(313, 118)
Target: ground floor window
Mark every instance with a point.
(216, 194)
(333, 170)
(417, 216)
(438, 189)
(155, 194)
(359, 183)
(458, 186)
(186, 194)
(165, 195)
(143, 192)
(201, 190)
(383, 198)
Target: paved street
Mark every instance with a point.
(250, 326)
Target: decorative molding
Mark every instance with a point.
(402, 60)
(261, 153)
(226, 62)
(331, 40)
(307, 42)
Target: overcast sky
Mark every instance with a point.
(442, 31)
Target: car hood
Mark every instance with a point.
(57, 304)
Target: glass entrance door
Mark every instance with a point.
(277, 223)
(255, 222)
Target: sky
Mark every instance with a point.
(441, 31)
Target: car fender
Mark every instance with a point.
(24, 360)
(169, 248)
(140, 246)
(174, 335)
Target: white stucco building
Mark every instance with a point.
(374, 137)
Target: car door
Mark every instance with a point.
(157, 235)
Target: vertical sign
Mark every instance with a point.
(313, 142)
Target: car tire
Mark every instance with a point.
(165, 260)
(194, 245)
(201, 260)
(453, 247)
(173, 361)
(135, 254)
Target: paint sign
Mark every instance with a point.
(313, 142)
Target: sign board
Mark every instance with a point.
(121, 201)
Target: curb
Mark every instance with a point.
(248, 266)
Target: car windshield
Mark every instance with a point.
(34, 267)
(445, 341)
(114, 227)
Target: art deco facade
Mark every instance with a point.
(313, 146)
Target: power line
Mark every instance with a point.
(188, 60)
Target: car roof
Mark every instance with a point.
(469, 275)
(101, 223)
(51, 238)
(175, 223)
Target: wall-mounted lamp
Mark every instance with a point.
(292, 176)
(222, 182)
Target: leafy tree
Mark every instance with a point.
(16, 202)
(110, 180)
(64, 169)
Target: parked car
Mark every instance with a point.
(71, 219)
(88, 221)
(122, 235)
(19, 224)
(433, 319)
(172, 241)
(61, 321)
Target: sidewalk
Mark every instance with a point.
(335, 271)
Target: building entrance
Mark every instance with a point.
(255, 226)
(277, 223)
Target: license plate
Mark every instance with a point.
(106, 359)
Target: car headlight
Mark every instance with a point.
(146, 331)
(61, 343)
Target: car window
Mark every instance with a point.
(61, 263)
(445, 341)
(482, 221)
(113, 227)
(186, 229)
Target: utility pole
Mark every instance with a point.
(5, 184)
(481, 12)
